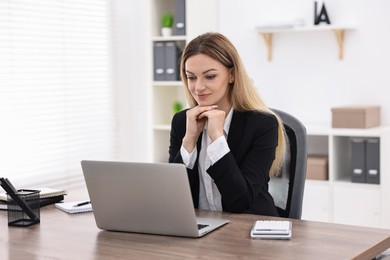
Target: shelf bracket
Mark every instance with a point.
(268, 42)
(339, 33)
(340, 41)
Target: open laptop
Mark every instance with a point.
(150, 198)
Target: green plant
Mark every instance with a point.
(167, 20)
(177, 106)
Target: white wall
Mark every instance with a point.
(131, 59)
(305, 77)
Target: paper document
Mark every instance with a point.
(75, 207)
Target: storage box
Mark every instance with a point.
(356, 117)
(317, 167)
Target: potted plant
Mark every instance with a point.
(177, 106)
(166, 24)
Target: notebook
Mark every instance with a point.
(46, 192)
(153, 198)
(42, 202)
(74, 207)
(47, 196)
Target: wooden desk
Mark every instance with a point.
(64, 236)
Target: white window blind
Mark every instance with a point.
(56, 96)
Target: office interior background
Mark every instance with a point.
(76, 82)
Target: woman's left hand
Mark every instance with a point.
(215, 122)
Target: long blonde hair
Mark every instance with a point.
(242, 93)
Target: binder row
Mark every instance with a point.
(365, 160)
(166, 61)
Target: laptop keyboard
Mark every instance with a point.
(200, 226)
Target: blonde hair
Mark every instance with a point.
(242, 93)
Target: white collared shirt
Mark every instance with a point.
(210, 153)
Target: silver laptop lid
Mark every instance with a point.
(141, 197)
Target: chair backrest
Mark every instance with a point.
(287, 189)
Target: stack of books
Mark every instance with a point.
(48, 196)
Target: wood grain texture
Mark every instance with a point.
(64, 236)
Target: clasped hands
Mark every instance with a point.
(196, 121)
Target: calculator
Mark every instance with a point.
(271, 229)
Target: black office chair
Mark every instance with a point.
(288, 187)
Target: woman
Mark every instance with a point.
(229, 140)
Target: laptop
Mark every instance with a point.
(153, 198)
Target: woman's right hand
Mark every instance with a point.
(194, 126)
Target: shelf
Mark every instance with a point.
(374, 131)
(164, 94)
(332, 200)
(316, 130)
(349, 184)
(337, 30)
(167, 83)
(172, 38)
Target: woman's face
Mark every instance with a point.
(208, 81)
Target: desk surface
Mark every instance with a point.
(64, 236)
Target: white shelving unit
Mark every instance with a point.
(200, 18)
(338, 199)
(337, 30)
(335, 200)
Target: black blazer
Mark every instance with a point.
(242, 175)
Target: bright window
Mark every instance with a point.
(56, 94)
